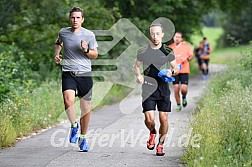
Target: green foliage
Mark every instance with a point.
(224, 119)
(15, 72)
(228, 55)
(186, 15)
(7, 131)
(212, 35)
(30, 111)
(238, 30)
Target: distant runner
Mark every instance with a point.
(183, 54)
(205, 51)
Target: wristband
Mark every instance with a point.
(172, 71)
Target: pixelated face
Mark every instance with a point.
(156, 35)
(76, 20)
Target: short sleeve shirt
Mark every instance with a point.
(74, 57)
(154, 59)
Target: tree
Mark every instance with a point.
(238, 27)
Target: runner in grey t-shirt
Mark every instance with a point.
(79, 46)
(74, 57)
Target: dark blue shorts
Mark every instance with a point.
(82, 85)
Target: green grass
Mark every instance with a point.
(219, 55)
(228, 55)
(30, 111)
(224, 119)
(212, 35)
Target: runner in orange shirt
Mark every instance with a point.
(183, 53)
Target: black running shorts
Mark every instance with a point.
(181, 78)
(82, 85)
(205, 61)
(160, 98)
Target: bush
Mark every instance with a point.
(15, 71)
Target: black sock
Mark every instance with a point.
(153, 131)
(160, 142)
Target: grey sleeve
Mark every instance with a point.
(140, 56)
(140, 53)
(171, 56)
(93, 43)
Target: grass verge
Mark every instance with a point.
(224, 119)
(30, 111)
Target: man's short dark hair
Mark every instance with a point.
(204, 38)
(76, 9)
(178, 32)
(156, 24)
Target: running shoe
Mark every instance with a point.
(205, 77)
(179, 108)
(73, 138)
(160, 151)
(83, 144)
(151, 142)
(184, 102)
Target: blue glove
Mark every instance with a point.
(163, 75)
(168, 79)
(163, 72)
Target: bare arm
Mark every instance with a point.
(91, 53)
(57, 55)
(174, 69)
(190, 56)
(139, 76)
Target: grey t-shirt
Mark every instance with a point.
(74, 57)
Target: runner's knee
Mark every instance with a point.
(149, 120)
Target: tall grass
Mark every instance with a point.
(224, 119)
(30, 111)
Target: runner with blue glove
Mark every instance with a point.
(155, 57)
